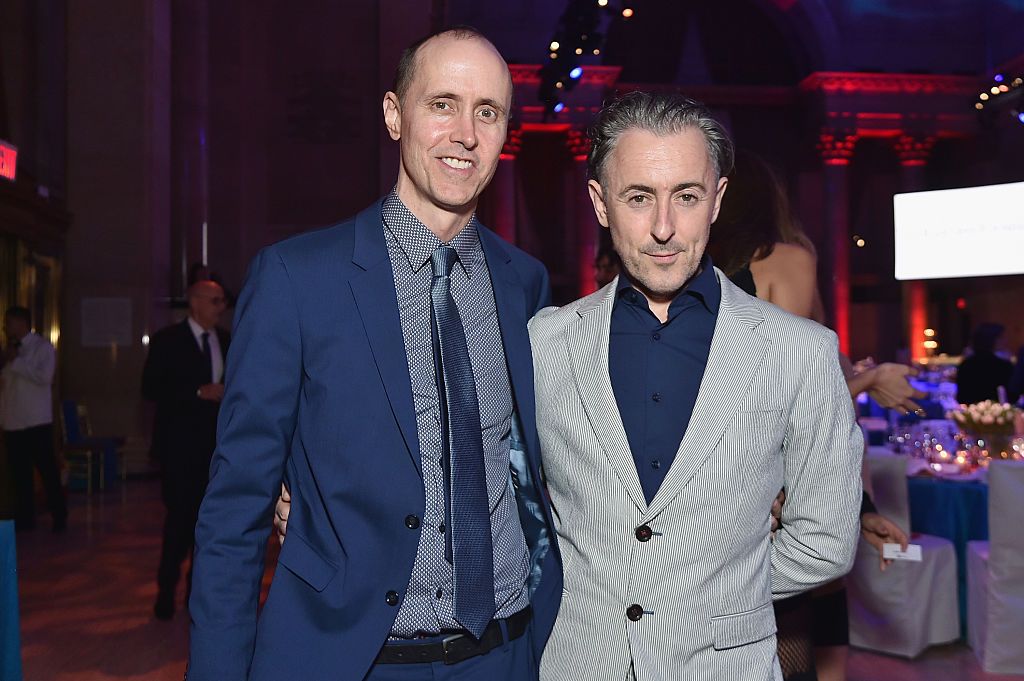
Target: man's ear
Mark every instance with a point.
(723, 182)
(597, 198)
(393, 115)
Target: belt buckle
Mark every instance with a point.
(444, 646)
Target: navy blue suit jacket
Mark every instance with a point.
(318, 394)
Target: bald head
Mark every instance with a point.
(411, 56)
(206, 303)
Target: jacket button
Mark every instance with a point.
(412, 522)
(634, 612)
(644, 533)
(392, 598)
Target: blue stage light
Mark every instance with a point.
(1020, 117)
(576, 72)
(998, 78)
(559, 107)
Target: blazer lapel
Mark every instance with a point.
(588, 353)
(736, 351)
(510, 301)
(377, 302)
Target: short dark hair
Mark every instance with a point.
(662, 113)
(18, 312)
(406, 70)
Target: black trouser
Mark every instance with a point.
(183, 486)
(27, 448)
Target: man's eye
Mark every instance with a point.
(488, 113)
(637, 200)
(441, 106)
(689, 198)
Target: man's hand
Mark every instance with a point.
(890, 388)
(281, 510)
(877, 530)
(214, 392)
(776, 511)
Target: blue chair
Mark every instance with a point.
(91, 459)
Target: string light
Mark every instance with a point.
(1002, 96)
(579, 33)
(627, 13)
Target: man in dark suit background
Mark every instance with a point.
(184, 375)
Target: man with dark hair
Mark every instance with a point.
(184, 375)
(382, 368)
(26, 417)
(980, 375)
(672, 407)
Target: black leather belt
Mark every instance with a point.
(456, 647)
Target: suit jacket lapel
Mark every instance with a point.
(377, 302)
(588, 352)
(736, 351)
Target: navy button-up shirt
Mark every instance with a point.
(656, 368)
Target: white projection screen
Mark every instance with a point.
(969, 232)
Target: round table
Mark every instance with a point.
(955, 510)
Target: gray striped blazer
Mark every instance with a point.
(773, 410)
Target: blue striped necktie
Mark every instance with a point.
(470, 523)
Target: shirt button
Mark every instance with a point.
(440, 528)
(656, 397)
(655, 464)
(391, 598)
(634, 612)
(412, 522)
(440, 593)
(656, 336)
(644, 533)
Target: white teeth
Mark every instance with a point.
(456, 163)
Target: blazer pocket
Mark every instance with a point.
(306, 563)
(743, 628)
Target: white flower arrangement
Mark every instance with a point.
(987, 417)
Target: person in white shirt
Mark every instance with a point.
(26, 417)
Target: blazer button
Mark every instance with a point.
(412, 522)
(644, 533)
(392, 598)
(634, 612)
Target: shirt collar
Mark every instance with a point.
(418, 243)
(704, 287)
(197, 330)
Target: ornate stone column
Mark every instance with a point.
(836, 149)
(503, 187)
(586, 225)
(913, 152)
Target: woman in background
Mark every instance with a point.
(758, 244)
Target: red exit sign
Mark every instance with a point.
(8, 160)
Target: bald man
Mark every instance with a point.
(184, 376)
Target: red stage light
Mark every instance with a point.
(8, 161)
